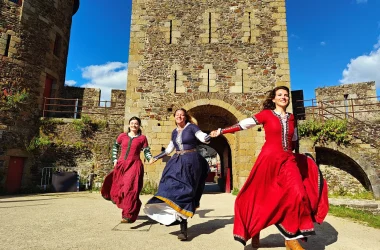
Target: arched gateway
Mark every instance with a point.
(217, 59)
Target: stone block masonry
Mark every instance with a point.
(215, 58)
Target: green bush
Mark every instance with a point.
(149, 187)
(324, 131)
(38, 142)
(16, 98)
(88, 127)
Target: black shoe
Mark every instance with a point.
(183, 234)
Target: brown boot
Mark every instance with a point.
(126, 220)
(293, 245)
(183, 234)
(255, 242)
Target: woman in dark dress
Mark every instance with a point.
(283, 189)
(123, 185)
(183, 179)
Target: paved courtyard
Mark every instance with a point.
(86, 221)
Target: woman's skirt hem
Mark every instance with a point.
(175, 206)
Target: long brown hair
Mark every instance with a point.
(268, 102)
(187, 116)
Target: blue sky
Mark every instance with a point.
(331, 42)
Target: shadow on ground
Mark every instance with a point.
(325, 235)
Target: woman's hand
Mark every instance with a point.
(215, 133)
(152, 160)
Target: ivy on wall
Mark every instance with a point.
(324, 131)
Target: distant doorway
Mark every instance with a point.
(15, 172)
(210, 117)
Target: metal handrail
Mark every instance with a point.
(323, 108)
(78, 107)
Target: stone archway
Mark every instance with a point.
(210, 117)
(331, 157)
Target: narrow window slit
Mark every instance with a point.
(249, 25)
(7, 45)
(171, 31)
(209, 27)
(175, 81)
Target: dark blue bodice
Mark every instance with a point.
(185, 139)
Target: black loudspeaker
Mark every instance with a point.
(64, 181)
(298, 105)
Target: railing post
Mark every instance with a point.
(76, 109)
(322, 115)
(43, 110)
(352, 107)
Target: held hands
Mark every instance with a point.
(215, 133)
(152, 160)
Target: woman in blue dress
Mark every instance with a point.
(183, 179)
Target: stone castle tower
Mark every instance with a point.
(217, 59)
(34, 41)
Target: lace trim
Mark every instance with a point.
(284, 121)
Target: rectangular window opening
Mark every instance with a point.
(57, 45)
(249, 25)
(209, 27)
(171, 31)
(7, 45)
(175, 81)
(208, 80)
(19, 2)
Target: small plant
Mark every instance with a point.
(149, 187)
(38, 142)
(235, 191)
(88, 127)
(16, 98)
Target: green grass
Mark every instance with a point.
(364, 217)
(366, 195)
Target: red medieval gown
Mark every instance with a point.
(123, 185)
(283, 189)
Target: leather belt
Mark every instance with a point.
(181, 152)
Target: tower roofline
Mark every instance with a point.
(76, 6)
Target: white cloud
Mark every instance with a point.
(364, 68)
(323, 43)
(112, 75)
(299, 48)
(293, 36)
(361, 1)
(70, 83)
(377, 45)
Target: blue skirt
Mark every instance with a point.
(182, 183)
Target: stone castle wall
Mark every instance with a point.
(357, 100)
(34, 40)
(208, 53)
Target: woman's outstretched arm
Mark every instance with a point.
(242, 125)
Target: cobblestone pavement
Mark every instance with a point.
(86, 221)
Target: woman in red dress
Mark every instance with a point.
(283, 189)
(123, 185)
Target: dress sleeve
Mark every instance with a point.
(260, 117)
(203, 137)
(119, 139)
(199, 134)
(146, 149)
(295, 134)
(115, 148)
(242, 125)
(167, 151)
